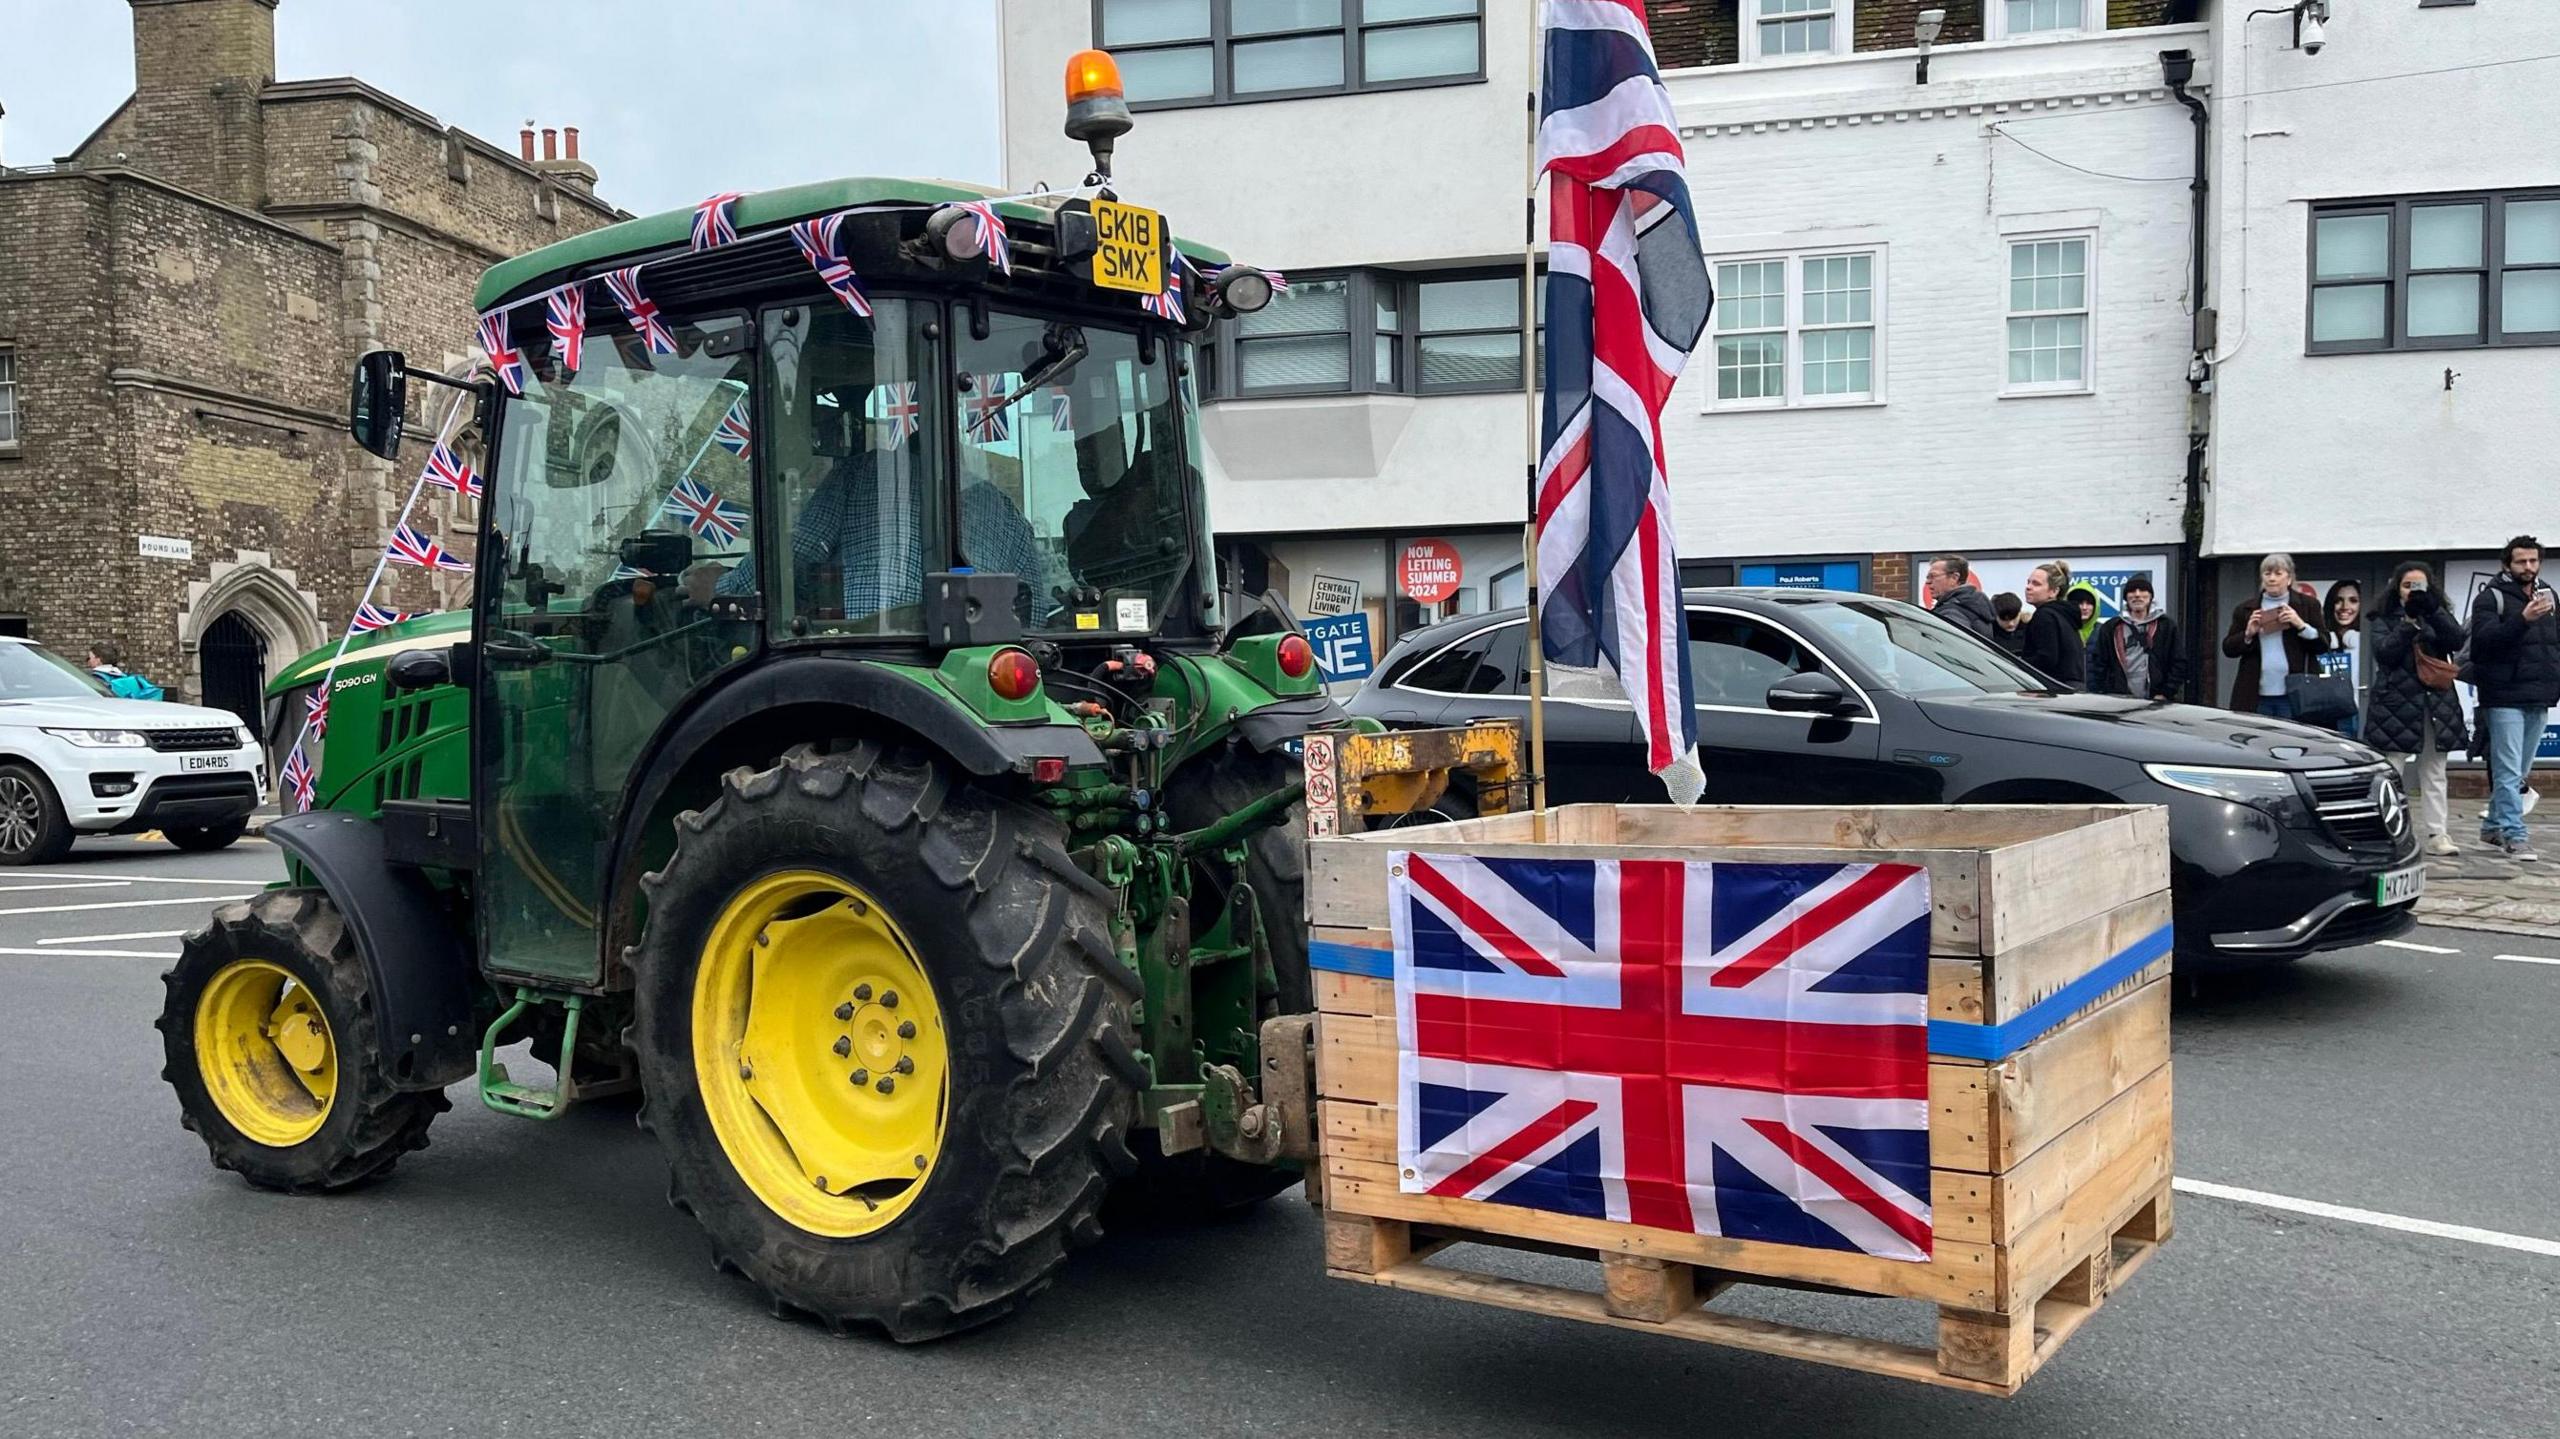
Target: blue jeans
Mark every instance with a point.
(2514, 734)
(2276, 706)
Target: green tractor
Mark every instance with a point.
(843, 752)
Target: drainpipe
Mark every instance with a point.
(2177, 68)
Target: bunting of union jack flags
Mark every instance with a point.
(448, 471)
(715, 220)
(818, 241)
(640, 310)
(505, 360)
(991, 234)
(565, 316)
(409, 547)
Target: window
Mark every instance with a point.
(1798, 330)
(2049, 315)
(1375, 332)
(1216, 52)
(2435, 272)
(8, 398)
(1487, 662)
(1468, 333)
(1783, 29)
(2037, 17)
(1733, 661)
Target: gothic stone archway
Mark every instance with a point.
(251, 593)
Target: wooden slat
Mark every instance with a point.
(1987, 1118)
(2136, 1122)
(1353, 994)
(2045, 885)
(1356, 1057)
(1870, 827)
(1998, 988)
(2112, 1198)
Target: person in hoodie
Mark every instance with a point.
(2053, 644)
(1955, 598)
(2515, 662)
(2012, 613)
(2136, 653)
(2411, 721)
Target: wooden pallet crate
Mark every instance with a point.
(2049, 1084)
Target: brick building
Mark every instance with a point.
(180, 301)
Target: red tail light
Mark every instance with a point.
(1297, 657)
(1014, 674)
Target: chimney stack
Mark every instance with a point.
(567, 168)
(550, 143)
(524, 141)
(569, 134)
(198, 66)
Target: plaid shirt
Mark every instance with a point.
(874, 536)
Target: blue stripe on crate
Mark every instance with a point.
(1999, 1041)
(1949, 1037)
(1351, 959)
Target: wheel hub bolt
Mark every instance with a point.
(889, 999)
(862, 1076)
(862, 993)
(905, 1065)
(886, 1084)
(844, 1045)
(906, 1029)
(919, 1163)
(746, 1071)
(844, 1011)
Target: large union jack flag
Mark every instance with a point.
(700, 509)
(1627, 298)
(408, 547)
(1728, 1049)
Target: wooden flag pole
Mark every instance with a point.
(1530, 427)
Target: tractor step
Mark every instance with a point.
(526, 1101)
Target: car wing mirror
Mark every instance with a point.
(377, 401)
(1813, 693)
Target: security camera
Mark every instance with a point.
(2314, 35)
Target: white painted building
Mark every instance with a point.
(2387, 282)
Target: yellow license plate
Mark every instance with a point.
(1131, 248)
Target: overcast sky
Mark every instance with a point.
(673, 99)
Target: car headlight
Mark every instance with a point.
(247, 736)
(2242, 786)
(100, 738)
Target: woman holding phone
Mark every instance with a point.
(2412, 714)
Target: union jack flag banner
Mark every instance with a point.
(733, 433)
(700, 509)
(1728, 1049)
(715, 220)
(899, 411)
(991, 234)
(1627, 298)
(505, 360)
(315, 712)
(446, 471)
(565, 316)
(1062, 408)
(408, 547)
(298, 780)
(817, 241)
(1169, 303)
(370, 617)
(631, 572)
(640, 310)
(988, 422)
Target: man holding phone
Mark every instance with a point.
(2515, 660)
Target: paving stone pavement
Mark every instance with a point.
(2481, 888)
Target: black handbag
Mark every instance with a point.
(2320, 698)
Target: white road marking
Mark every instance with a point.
(105, 938)
(126, 904)
(69, 884)
(2420, 948)
(128, 878)
(2548, 1248)
(94, 953)
(2528, 959)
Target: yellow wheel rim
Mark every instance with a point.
(266, 1053)
(819, 1047)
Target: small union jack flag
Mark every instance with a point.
(565, 316)
(1062, 408)
(1169, 303)
(715, 220)
(640, 310)
(315, 711)
(505, 360)
(408, 547)
(900, 412)
(298, 779)
(733, 432)
(985, 408)
(817, 241)
(631, 572)
(446, 471)
(991, 234)
(371, 617)
(700, 509)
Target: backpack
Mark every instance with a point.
(133, 687)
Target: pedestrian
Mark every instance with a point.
(2342, 646)
(2011, 612)
(2136, 653)
(105, 662)
(2272, 637)
(2515, 663)
(2052, 631)
(2412, 713)
(1953, 597)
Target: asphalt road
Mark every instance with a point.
(520, 1279)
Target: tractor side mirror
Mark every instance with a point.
(377, 402)
(420, 669)
(1812, 693)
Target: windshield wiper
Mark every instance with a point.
(1063, 351)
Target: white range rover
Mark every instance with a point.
(76, 760)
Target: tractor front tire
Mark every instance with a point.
(884, 1040)
(275, 1052)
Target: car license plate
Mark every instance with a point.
(1129, 253)
(2400, 886)
(206, 761)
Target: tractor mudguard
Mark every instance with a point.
(420, 969)
(1273, 725)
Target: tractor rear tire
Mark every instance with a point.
(1027, 1035)
(1172, 1186)
(253, 1094)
